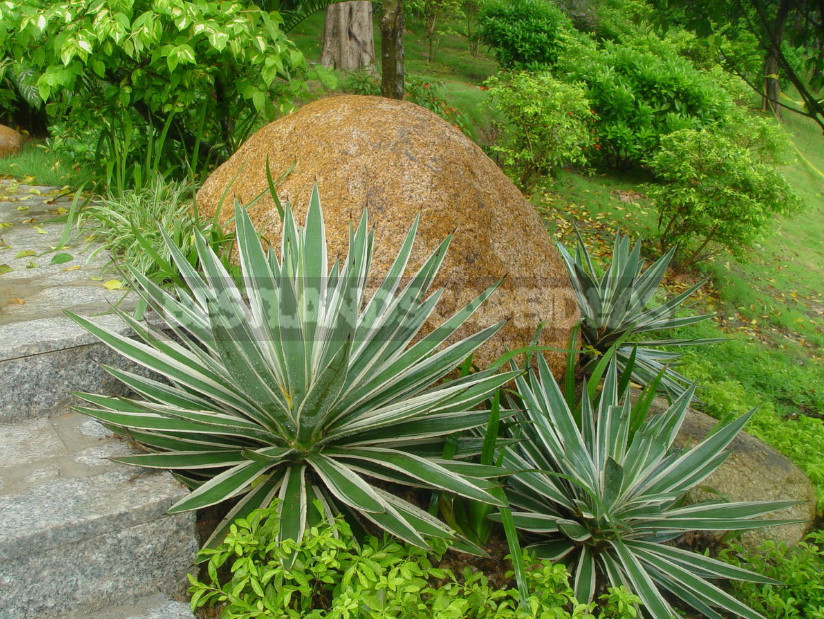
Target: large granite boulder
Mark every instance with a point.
(398, 159)
(10, 141)
(753, 471)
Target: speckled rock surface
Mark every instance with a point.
(399, 159)
(753, 471)
(79, 531)
(10, 141)
(152, 607)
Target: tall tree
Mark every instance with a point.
(773, 23)
(348, 38)
(392, 49)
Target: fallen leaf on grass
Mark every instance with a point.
(23, 254)
(17, 301)
(74, 268)
(4, 268)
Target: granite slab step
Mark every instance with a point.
(43, 354)
(79, 532)
(153, 607)
(43, 361)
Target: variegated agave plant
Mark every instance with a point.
(615, 306)
(295, 387)
(607, 501)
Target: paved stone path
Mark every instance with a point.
(37, 281)
(80, 535)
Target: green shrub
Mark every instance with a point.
(800, 570)
(522, 33)
(196, 76)
(548, 125)
(334, 577)
(713, 195)
(640, 95)
(602, 488)
(294, 386)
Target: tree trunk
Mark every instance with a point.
(348, 42)
(772, 87)
(392, 49)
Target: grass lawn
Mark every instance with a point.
(37, 164)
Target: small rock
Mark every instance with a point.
(753, 471)
(10, 141)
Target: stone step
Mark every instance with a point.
(43, 361)
(79, 533)
(44, 356)
(152, 607)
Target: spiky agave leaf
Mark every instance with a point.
(606, 500)
(616, 304)
(293, 386)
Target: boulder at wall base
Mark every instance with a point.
(753, 471)
(10, 141)
(398, 159)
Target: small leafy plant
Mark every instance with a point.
(616, 306)
(607, 501)
(334, 577)
(201, 74)
(295, 387)
(800, 570)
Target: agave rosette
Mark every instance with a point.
(615, 305)
(607, 501)
(294, 386)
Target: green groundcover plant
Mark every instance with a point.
(617, 306)
(800, 570)
(334, 577)
(129, 223)
(292, 386)
(605, 494)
